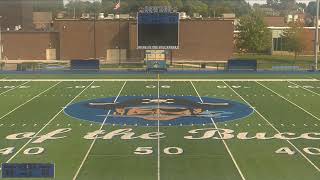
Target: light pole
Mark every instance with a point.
(74, 8)
(0, 40)
(317, 38)
(94, 30)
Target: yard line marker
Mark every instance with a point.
(158, 127)
(223, 141)
(53, 118)
(304, 88)
(289, 101)
(297, 149)
(14, 88)
(29, 100)
(95, 139)
(162, 80)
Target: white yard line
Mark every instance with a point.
(304, 88)
(36, 135)
(14, 88)
(289, 101)
(162, 80)
(29, 100)
(158, 128)
(95, 139)
(223, 141)
(271, 125)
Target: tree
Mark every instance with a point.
(48, 5)
(157, 3)
(286, 6)
(254, 36)
(218, 7)
(272, 3)
(294, 37)
(302, 5)
(195, 6)
(311, 9)
(176, 4)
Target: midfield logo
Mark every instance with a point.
(168, 110)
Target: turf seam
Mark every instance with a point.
(53, 118)
(95, 139)
(296, 105)
(34, 97)
(264, 118)
(223, 141)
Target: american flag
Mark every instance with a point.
(117, 6)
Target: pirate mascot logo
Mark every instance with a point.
(168, 110)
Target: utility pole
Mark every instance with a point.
(317, 38)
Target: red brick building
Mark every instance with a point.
(201, 40)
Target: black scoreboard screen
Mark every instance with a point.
(158, 30)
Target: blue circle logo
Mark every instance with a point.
(154, 111)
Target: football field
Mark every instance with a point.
(163, 129)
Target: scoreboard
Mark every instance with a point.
(155, 60)
(158, 29)
(27, 170)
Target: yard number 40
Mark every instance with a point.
(289, 151)
(167, 150)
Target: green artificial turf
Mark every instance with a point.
(279, 107)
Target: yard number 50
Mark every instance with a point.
(167, 150)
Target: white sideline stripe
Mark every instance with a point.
(297, 149)
(47, 124)
(161, 80)
(14, 88)
(95, 139)
(29, 100)
(290, 101)
(158, 160)
(224, 142)
(304, 88)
